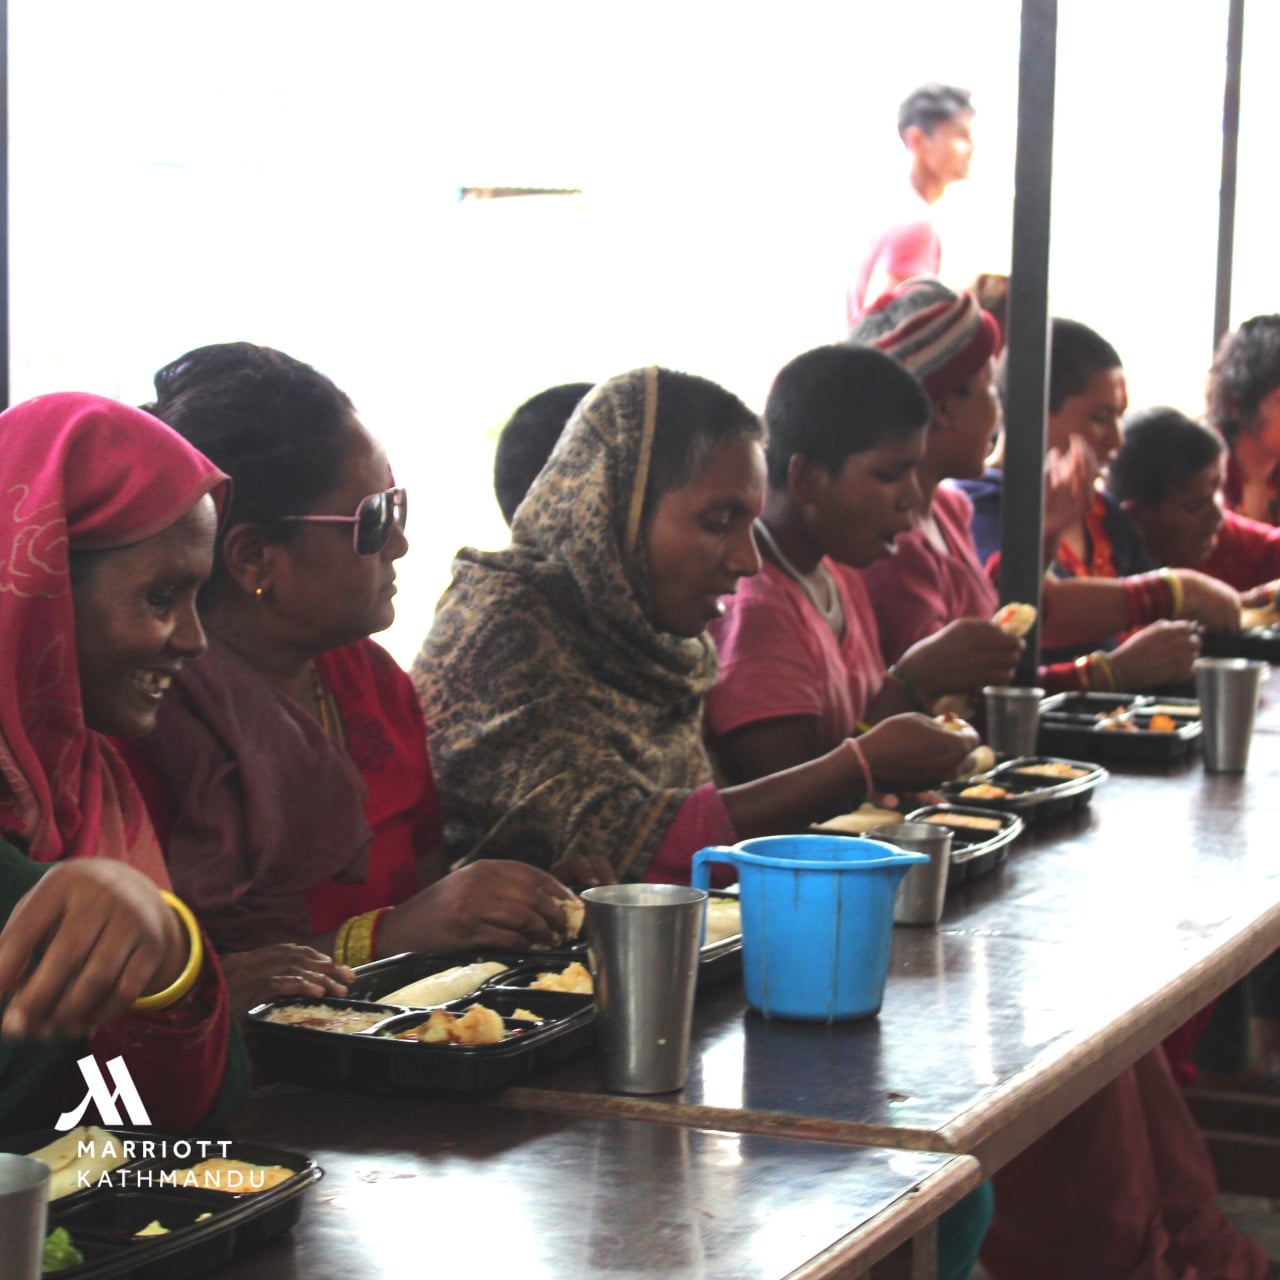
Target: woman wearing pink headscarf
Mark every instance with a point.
(107, 521)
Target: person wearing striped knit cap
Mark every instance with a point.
(937, 576)
(950, 344)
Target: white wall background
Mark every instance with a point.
(287, 172)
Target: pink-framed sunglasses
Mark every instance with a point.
(376, 515)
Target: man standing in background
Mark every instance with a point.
(934, 124)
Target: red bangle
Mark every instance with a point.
(861, 757)
(1149, 598)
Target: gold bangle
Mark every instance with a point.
(1103, 664)
(195, 961)
(354, 943)
(340, 940)
(1176, 600)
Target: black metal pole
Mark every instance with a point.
(1227, 191)
(1022, 506)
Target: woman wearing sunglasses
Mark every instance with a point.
(289, 770)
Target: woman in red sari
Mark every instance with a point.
(313, 813)
(107, 523)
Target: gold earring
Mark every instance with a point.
(259, 593)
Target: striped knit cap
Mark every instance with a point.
(942, 337)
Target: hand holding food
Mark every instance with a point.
(980, 759)
(964, 655)
(1015, 619)
(585, 870)
(910, 752)
(82, 945)
(285, 969)
(484, 904)
(1213, 604)
(1161, 653)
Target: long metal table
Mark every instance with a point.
(463, 1188)
(1100, 934)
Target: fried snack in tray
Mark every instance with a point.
(478, 1025)
(1052, 769)
(1117, 721)
(1161, 723)
(970, 821)
(80, 1158)
(984, 791)
(574, 977)
(1015, 619)
(449, 984)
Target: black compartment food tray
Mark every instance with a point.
(1069, 726)
(1034, 799)
(973, 853)
(370, 1061)
(97, 1218)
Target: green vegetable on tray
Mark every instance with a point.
(59, 1253)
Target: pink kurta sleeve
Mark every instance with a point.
(702, 820)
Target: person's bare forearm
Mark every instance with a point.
(1083, 610)
(790, 800)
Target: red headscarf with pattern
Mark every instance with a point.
(83, 473)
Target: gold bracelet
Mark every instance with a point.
(354, 944)
(1103, 663)
(1176, 600)
(195, 961)
(340, 940)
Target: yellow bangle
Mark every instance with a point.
(354, 943)
(1103, 663)
(195, 961)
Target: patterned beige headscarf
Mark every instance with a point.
(562, 720)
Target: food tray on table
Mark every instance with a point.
(1117, 727)
(204, 1226)
(1034, 787)
(980, 838)
(370, 1055)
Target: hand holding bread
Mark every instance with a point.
(488, 903)
(912, 752)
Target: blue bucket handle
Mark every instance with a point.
(701, 878)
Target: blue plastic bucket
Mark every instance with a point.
(817, 921)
